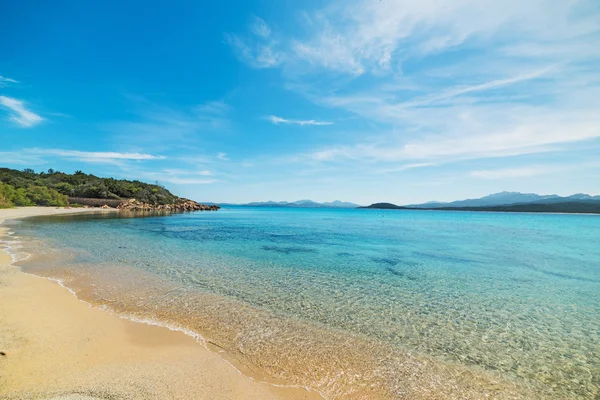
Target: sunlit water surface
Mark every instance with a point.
(354, 303)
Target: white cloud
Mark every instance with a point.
(20, 115)
(4, 81)
(155, 125)
(523, 172)
(19, 157)
(486, 78)
(222, 156)
(373, 36)
(94, 156)
(257, 54)
(487, 135)
(481, 87)
(203, 172)
(406, 167)
(217, 107)
(258, 51)
(179, 176)
(533, 170)
(442, 81)
(278, 120)
(189, 181)
(260, 28)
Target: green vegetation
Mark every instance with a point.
(30, 196)
(52, 188)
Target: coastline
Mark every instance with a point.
(57, 347)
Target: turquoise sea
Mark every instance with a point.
(354, 303)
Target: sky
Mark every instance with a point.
(402, 101)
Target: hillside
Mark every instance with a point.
(52, 188)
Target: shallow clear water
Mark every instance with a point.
(512, 298)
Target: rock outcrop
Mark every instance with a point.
(180, 204)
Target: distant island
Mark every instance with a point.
(510, 202)
(55, 188)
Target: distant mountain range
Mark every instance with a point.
(506, 198)
(298, 204)
(511, 202)
(503, 201)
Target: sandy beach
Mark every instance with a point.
(55, 346)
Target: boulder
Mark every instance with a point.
(180, 204)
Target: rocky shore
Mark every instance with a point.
(180, 204)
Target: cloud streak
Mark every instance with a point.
(278, 120)
(509, 173)
(260, 28)
(180, 177)
(186, 126)
(95, 156)
(4, 81)
(19, 114)
(258, 50)
(541, 133)
(531, 170)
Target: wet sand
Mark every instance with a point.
(57, 347)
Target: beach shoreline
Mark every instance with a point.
(56, 346)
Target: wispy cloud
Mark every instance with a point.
(222, 156)
(94, 156)
(204, 172)
(407, 167)
(213, 108)
(528, 171)
(190, 181)
(507, 173)
(357, 37)
(258, 50)
(260, 28)
(179, 176)
(19, 114)
(465, 139)
(156, 126)
(441, 82)
(4, 81)
(278, 120)
(481, 87)
(20, 158)
(256, 55)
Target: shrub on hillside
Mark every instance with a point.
(43, 196)
(10, 197)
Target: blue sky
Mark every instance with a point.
(359, 100)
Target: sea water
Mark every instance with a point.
(354, 303)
